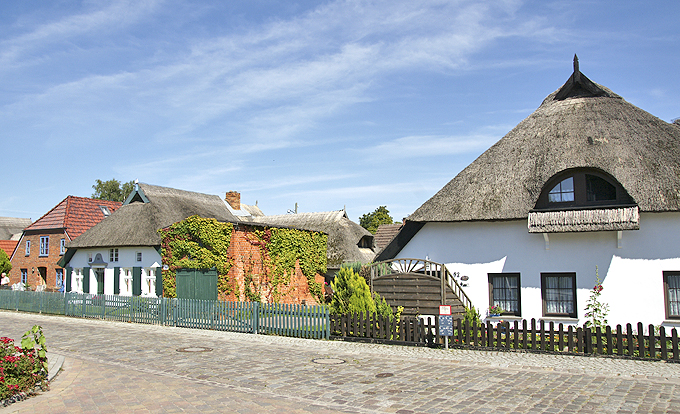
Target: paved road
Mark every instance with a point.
(113, 367)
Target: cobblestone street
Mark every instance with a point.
(113, 367)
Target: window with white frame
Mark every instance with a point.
(671, 283)
(59, 278)
(44, 245)
(505, 292)
(559, 294)
(139, 256)
(62, 246)
(28, 247)
(24, 276)
(113, 255)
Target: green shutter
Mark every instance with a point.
(86, 280)
(69, 272)
(136, 281)
(116, 280)
(159, 282)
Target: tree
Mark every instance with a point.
(112, 190)
(5, 265)
(372, 221)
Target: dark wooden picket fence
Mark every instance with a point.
(378, 328)
(531, 336)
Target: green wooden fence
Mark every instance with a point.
(251, 317)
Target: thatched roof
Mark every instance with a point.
(581, 125)
(12, 227)
(344, 235)
(609, 219)
(148, 209)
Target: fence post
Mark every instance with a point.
(256, 312)
(327, 313)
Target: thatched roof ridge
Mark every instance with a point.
(137, 223)
(344, 235)
(578, 129)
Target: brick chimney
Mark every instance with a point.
(234, 199)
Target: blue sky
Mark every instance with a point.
(322, 103)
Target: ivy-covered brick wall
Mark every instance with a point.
(254, 263)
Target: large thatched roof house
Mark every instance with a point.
(586, 180)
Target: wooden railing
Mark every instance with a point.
(427, 267)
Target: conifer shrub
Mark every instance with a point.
(351, 294)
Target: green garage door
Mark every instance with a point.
(197, 284)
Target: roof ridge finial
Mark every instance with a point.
(577, 71)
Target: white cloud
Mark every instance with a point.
(430, 146)
(16, 51)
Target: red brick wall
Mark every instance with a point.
(248, 260)
(33, 261)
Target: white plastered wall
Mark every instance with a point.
(127, 259)
(632, 274)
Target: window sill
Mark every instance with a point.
(505, 317)
(671, 322)
(567, 319)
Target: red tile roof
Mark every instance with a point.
(75, 215)
(385, 234)
(8, 246)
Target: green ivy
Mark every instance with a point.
(286, 246)
(200, 243)
(196, 243)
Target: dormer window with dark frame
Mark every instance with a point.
(365, 242)
(583, 199)
(582, 188)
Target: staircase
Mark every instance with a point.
(420, 286)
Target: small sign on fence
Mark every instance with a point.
(445, 325)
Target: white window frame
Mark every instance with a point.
(24, 276)
(44, 246)
(138, 256)
(62, 246)
(28, 247)
(113, 255)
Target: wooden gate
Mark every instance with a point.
(420, 286)
(197, 284)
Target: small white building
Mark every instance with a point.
(586, 181)
(121, 255)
